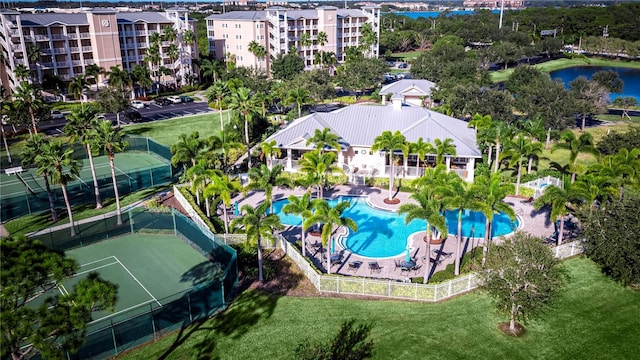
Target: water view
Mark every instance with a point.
(433, 14)
(631, 78)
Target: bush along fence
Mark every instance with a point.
(355, 285)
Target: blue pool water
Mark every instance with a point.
(384, 234)
(433, 14)
(630, 77)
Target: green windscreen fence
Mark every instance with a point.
(144, 164)
(134, 326)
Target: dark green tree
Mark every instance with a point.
(361, 74)
(286, 67)
(36, 316)
(523, 277)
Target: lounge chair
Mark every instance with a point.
(416, 268)
(374, 267)
(354, 266)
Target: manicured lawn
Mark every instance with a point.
(167, 132)
(594, 318)
(553, 65)
(408, 56)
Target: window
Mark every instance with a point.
(238, 26)
(225, 36)
(211, 34)
(238, 37)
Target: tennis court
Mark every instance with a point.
(24, 192)
(149, 270)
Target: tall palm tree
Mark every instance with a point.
(389, 142)
(4, 104)
(188, 39)
(93, 71)
(211, 68)
(480, 122)
(28, 98)
(169, 34)
(217, 93)
(332, 218)
(153, 57)
(245, 104)
(56, 158)
(421, 148)
(426, 208)
(305, 41)
(298, 96)
(258, 225)
(21, 72)
(576, 145)
(257, 50)
(318, 166)
(596, 189)
(517, 152)
(620, 168)
(560, 199)
(301, 206)
(111, 140)
(322, 39)
(80, 125)
(32, 149)
(323, 139)
(269, 150)
(491, 191)
(173, 53)
(263, 178)
(187, 150)
(462, 196)
(223, 187)
(499, 131)
(199, 175)
(443, 148)
(482, 125)
(77, 85)
(143, 77)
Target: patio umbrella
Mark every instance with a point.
(333, 247)
(235, 208)
(407, 257)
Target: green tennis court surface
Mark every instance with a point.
(148, 269)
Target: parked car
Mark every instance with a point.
(175, 99)
(132, 115)
(186, 99)
(162, 101)
(57, 114)
(137, 104)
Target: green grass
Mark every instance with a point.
(594, 318)
(167, 132)
(553, 65)
(408, 56)
(35, 222)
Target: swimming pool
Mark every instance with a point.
(384, 234)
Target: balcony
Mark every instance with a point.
(77, 62)
(87, 49)
(46, 65)
(72, 36)
(58, 36)
(142, 44)
(16, 47)
(89, 62)
(85, 35)
(74, 49)
(42, 38)
(141, 32)
(63, 63)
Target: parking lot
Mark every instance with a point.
(153, 111)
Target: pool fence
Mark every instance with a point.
(375, 287)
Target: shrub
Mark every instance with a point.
(216, 225)
(539, 174)
(443, 275)
(471, 260)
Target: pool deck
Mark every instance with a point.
(532, 221)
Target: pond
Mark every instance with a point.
(631, 78)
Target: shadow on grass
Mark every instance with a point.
(139, 130)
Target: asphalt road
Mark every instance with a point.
(151, 112)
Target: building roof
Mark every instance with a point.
(409, 87)
(359, 125)
(240, 15)
(51, 18)
(291, 14)
(150, 17)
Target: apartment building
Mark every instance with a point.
(278, 29)
(65, 44)
(494, 4)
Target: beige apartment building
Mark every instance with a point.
(65, 44)
(278, 29)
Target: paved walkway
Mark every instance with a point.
(531, 221)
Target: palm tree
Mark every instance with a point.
(257, 50)
(32, 149)
(188, 38)
(322, 39)
(56, 158)
(298, 96)
(461, 197)
(595, 188)
(28, 97)
(389, 142)
(217, 93)
(143, 77)
(245, 104)
(305, 41)
(576, 145)
(421, 148)
(211, 68)
(93, 71)
(199, 174)
(332, 218)
(318, 166)
(517, 151)
(187, 149)
(269, 150)
(77, 85)
(426, 208)
(482, 126)
(266, 179)
(33, 55)
(258, 225)
(499, 132)
(323, 139)
(79, 127)
(169, 33)
(120, 78)
(111, 140)
(620, 168)
(154, 58)
(301, 206)
(22, 73)
(223, 187)
(491, 191)
(4, 104)
(173, 53)
(480, 122)
(443, 148)
(560, 199)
